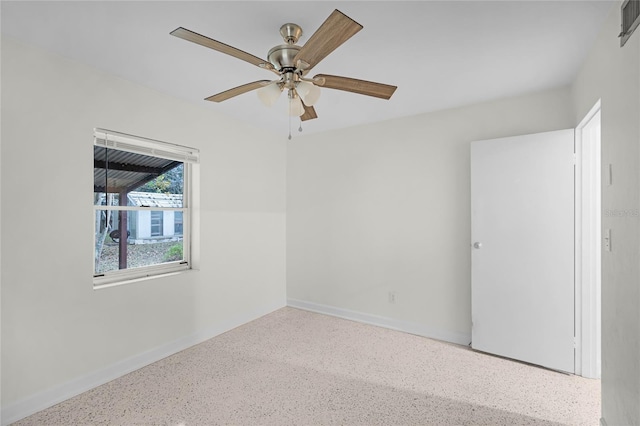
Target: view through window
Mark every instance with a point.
(140, 208)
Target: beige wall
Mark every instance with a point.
(386, 207)
(56, 329)
(613, 74)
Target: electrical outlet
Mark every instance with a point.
(392, 297)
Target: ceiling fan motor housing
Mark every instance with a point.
(282, 56)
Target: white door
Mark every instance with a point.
(522, 226)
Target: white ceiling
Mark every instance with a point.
(440, 54)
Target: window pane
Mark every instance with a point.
(177, 226)
(140, 180)
(148, 241)
(104, 199)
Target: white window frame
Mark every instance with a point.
(189, 157)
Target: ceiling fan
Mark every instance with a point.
(292, 63)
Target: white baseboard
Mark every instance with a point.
(380, 321)
(57, 394)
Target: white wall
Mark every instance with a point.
(613, 74)
(58, 334)
(386, 207)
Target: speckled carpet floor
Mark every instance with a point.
(293, 367)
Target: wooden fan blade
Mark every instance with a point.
(363, 87)
(228, 94)
(189, 35)
(337, 29)
(309, 113)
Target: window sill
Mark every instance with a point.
(101, 283)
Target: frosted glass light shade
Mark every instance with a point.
(296, 108)
(309, 92)
(269, 94)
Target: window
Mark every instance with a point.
(141, 200)
(630, 19)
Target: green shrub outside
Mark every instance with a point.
(174, 253)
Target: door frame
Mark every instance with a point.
(588, 211)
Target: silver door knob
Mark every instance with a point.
(477, 245)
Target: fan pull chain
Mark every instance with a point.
(289, 119)
(289, 127)
(300, 128)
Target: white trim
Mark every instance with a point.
(380, 321)
(57, 394)
(118, 278)
(577, 256)
(190, 188)
(587, 249)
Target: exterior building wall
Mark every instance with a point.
(144, 224)
(168, 224)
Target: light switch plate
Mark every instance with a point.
(607, 240)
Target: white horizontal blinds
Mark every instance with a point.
(139, 145)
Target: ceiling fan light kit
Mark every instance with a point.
(269, 93)
(292, 63)
(309, 92)
(296, 108)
